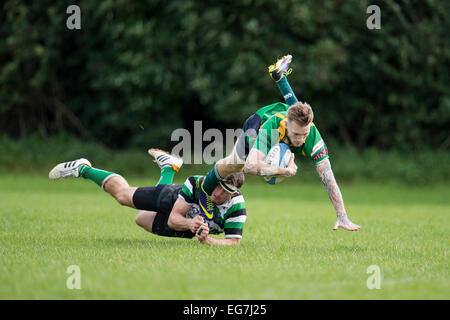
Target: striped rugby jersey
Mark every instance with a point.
(228, 217)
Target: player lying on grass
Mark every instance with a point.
(168, 209)
(291, 123)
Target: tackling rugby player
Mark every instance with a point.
(172, 210)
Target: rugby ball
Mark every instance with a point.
(278, 156)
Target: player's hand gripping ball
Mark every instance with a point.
(278, 156)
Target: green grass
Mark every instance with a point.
(288, 251)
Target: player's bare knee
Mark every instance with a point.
(226, 169)
(140, 218)
(145, 219)
(231, 160)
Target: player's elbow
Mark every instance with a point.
(235, 241)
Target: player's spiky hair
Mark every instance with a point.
(300, 112)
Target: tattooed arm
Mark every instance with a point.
(326, 175)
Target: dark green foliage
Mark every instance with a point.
(139, 69)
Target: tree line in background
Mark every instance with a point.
(137, 70)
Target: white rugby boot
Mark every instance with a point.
(68, 169)
(165, 159)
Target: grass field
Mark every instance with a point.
(288, 251)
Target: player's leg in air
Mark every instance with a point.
(235, 162)
(279, 72)
(116, 185)
(169, 165)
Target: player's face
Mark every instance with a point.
(296, 133)
(219, 195)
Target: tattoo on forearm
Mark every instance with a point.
(267, 170)
(328, 180)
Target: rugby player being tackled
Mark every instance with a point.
(291, 123)
(172, 210)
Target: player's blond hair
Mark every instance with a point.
(300, 112)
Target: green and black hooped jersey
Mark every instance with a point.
(273, 130)
(228, 217)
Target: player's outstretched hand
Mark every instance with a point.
(202, 233)
(346, 224)
(195, 223)
(291, 169)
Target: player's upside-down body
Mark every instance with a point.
(291, 123)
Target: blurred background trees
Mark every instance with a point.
(137, 70)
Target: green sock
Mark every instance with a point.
(93, 174)
(286, 91)
(167, 174)
(211, 180)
